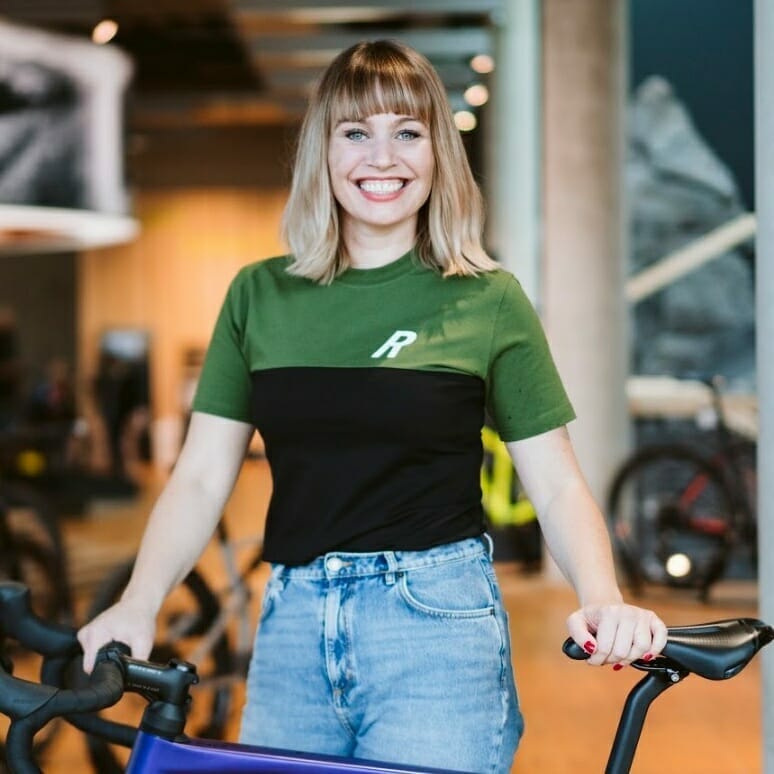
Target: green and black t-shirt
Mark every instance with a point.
(370, 394)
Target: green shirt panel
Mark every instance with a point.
(481, 326)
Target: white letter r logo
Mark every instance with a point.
(395, 343)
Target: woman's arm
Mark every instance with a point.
(575, 533)
(180, 525)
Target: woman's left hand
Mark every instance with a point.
(617, 633)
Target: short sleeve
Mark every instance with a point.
(224, 386)
(525, 395)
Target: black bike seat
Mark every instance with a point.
(716, 650)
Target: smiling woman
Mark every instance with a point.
(367, 359)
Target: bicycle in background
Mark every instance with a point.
(32, 549)
(681, 511)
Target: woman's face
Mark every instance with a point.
(381, 170)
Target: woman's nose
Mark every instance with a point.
(382, 153)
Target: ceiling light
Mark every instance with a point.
(465, 121)
(482, 63)
(477, 95)
(104, 32)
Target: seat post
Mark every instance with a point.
(633, 716)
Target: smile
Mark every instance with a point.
(381, 187)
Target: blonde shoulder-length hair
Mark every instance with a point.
(374, 77)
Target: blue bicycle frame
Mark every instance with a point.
(152, 755)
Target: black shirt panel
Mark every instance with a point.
(369, 459)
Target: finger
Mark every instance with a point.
(84, 639)
(623, 649)
(581, 632)
(606, 635)
(659, 634)
(141, 647)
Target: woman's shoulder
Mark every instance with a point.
(499, 282)
(274, 266)
(270, 273)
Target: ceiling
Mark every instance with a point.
(252, 62)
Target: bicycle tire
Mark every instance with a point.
(212, 700)
(671, 517)
(27, 561)
(741, 458)
(29, 514)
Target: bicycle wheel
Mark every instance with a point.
(26, 561)
(29, 516)
(672, 518)
(185, 620)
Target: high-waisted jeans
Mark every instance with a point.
(395, 656)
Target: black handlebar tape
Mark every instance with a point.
(571, 649)
(55, 672)
(19, 622)
(20, 698)
(105, 688)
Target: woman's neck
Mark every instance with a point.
(370, 251)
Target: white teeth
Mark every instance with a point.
(381, 186)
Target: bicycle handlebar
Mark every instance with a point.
(47, 702)
(716, 651)
(31, 705)
(19, 622)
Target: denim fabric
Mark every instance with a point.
(401, 657)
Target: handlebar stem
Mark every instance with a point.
(166, 688)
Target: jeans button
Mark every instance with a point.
(334, 564)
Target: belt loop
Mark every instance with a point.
(392, 568)
(490, 544)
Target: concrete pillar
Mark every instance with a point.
(584, 245)
(764, 278)
(512, 148)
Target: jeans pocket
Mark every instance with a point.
(453, 589)
(271, 592)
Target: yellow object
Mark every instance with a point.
(504, 502)
(30, 463)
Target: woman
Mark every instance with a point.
(367, 360)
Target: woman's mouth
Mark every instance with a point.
(377, 187)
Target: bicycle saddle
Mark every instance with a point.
(716, 650)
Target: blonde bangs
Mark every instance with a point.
(368, 88)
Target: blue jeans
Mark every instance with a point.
(395, 656)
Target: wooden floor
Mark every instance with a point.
(571, 710)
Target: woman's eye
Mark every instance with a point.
(408, 134)
(355, 134)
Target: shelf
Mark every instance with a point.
(30, 229)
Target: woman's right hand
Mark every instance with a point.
(128, 621)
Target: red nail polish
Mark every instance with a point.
(589, 647)
(647, 657)
(617, 667)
